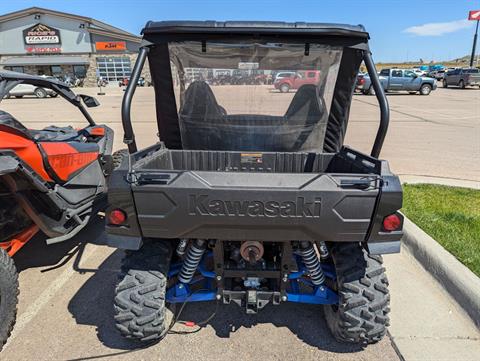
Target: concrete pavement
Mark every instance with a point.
(436, 135)
(66, 314)
(426, 323)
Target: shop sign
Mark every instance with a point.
(474, 15)
(247, 66)
(111, 45)
(43, 50)
(41, 34)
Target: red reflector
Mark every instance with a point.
(117, 217)
(392, 222)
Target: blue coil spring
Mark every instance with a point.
(191, 262)
(312, 263)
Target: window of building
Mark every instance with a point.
(80, 71)
(18, 69)
(114, 68)
(56, 70)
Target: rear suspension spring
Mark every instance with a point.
(312, 263)
(192, 260)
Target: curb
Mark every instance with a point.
(451, 182)
(462, 284)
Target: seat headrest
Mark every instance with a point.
(200, 101)
(306, 104)
(8, 120)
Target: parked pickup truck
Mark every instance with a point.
(462, 78)
(400, 79)
(296, 80)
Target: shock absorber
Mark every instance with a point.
(312, 263)
(192, 260)
(182, 247)
(322, 248)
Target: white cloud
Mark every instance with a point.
(437, 29)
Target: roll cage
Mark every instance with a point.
(10, 79)
(353, 39)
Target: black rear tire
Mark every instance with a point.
(8, 296)
(361, 316)
(140, 309)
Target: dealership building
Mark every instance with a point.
(47, 42)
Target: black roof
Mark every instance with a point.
(36, 80)
(31, 79)
(253, 27)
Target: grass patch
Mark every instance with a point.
(450, 215)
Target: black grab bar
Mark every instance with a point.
(382, 101)
(129, 136)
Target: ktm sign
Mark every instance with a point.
(111, 45)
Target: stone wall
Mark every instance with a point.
(91, 76)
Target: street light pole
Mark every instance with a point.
(474, 45)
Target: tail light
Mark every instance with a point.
(117, 217)
(361, 81)
(392, 222)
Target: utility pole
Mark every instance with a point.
(474, 45)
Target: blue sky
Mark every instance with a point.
(400, 30)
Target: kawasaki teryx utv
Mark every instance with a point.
(250, 196)
(52, 180)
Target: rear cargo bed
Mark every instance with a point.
(346, 161)
(265, 196)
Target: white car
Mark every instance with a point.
(284, 74)
(26, 89)
(419, 72)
